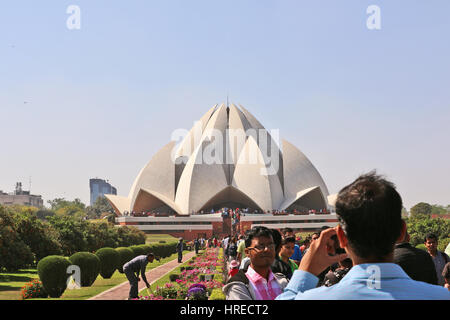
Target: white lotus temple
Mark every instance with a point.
(227, 160)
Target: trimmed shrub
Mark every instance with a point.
(109, 261)
(137, 251)
(52, 271)
(146, 248)
(163, 250)
(125, 255)
(89, 265)
(217, 294)
(162, 241)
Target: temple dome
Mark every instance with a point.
(228, 159)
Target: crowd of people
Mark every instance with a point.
(367, 256)
(228, 212)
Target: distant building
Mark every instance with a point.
(21, 197)
(99, 188)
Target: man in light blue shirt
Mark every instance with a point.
(369, 212)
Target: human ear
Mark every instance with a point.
(341, 236)
(402, 232)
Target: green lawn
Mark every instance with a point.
(152, 238)
(11, 283)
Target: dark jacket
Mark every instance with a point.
(179, 247)
(136, 265)
(279, 266)
(415, 262)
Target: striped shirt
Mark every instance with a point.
(264, 289)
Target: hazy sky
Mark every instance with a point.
(101, 100)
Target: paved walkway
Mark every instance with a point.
(121, 291)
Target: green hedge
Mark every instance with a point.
(146, 248)
(163, 250)
(52, 272)
(137, 251)
(126, 254)
(109, 261)
(89, 265)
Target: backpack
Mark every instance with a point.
(232, 249)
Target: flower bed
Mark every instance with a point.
(33, 289)
(198, 279)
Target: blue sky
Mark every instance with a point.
(103, 99)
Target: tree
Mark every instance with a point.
(100, 207)
(129, 236)
(102, 234)
(63, 207)
(39, 236)
(72, 233)
(14, 253)
(43, 214)
(421, 208)
(438, 209)
(421, 224)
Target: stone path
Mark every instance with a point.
(121, 291)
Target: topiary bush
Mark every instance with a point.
(146, 248)
(163, 250)
(125, 255)
(52, 271)
(137, 251)
(89, 265)
(109, 261)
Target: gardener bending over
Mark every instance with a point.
(132, 269)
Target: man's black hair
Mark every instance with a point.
(150, 255)
(369, 211)
(257, 232)
(430, 236)
(287, 240)
(276, 236)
